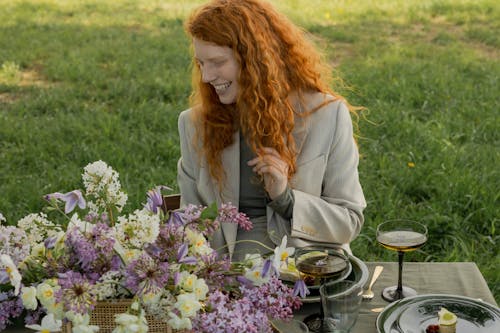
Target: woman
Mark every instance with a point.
(266, 133)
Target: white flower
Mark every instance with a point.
(187, 281)
(126, 319)
(128, 323)
(150, 298)
(80, 323)
(187, 304)
(83, 226)
(110, 285)
(60, 238)
(85, 329)
(255, 259)
(162, 306)
(49, 324)
(101, 182)
(178, 323)
(255, 275)
(37, 227)
(200, 289)
(198, 242)
(45, 293)
(28, 296)
(139, 228)
(2, 218)
(127, 255)
(38, 250)
(281, 254)
(10, 268)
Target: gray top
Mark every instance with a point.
(253, 197)
(253, 202)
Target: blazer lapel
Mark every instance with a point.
(231, 189)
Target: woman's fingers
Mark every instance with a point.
(273, 170)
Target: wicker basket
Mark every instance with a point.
(104, 317)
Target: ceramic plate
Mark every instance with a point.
(414, 314)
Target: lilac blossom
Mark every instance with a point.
(276, 299)
(81, 250)
(33, 316)
(14, 242)
(71, 199)
(10, 307)
(76, 293)
(229, 214)
(94, 249)
(224, 314)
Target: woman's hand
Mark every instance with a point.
(273, 169)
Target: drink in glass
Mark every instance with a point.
(401, 236)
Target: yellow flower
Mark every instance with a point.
(411, 165)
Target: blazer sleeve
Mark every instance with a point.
(336, 215)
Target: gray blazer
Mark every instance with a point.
(329, 200)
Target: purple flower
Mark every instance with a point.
(72, 199)
(176, 217)
(267, 268)
(155, 200)
(181, 255)
(300, 289)
(50, 242)
(229, 214)
(145, 275)
(76, 293)
(274, 298)
(224, 314)
(10, 307)
(153, 250)
(91, 251)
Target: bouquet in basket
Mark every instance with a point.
(55, 267)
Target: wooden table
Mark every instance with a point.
(456, 278)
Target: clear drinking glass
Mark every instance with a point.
(289, 326)
(401, 236)
(318, 265)
(341, 302)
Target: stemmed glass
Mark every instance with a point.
(401, 236)
(316, 265)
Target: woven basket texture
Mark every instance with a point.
(104, 317)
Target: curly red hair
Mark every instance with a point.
(275, 60)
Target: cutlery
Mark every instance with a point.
(377, 310)
(368, 293)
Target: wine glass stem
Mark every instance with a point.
(399, 290)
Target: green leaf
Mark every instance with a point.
(5, 287)
(210, 212)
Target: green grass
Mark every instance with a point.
(88, 80)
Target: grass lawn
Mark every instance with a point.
(87, 80)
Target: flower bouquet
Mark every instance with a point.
(59, 266)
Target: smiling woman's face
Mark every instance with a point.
(219, 68)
